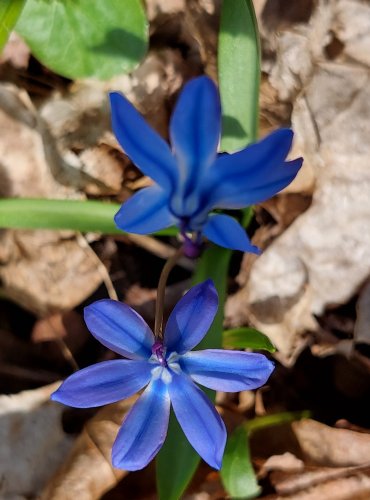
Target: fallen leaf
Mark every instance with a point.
(323, 257)
(362, 325)
(30, 433)
(87, 472)
(331, 447)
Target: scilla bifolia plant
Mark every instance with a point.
(192, 181)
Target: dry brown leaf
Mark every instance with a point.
(331, 447)
(87, 472)
(58, 326)
(362, 325)
(102, 162)
(286, 462)
(322, 259)
(16, 52)
(46, 271)
(30, 433)
(324, 483)
(42, 270)
(352, 27)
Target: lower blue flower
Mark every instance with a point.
(169, 371)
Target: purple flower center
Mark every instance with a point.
(192, 245)
(159, 351)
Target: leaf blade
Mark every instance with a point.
(75, 215)
(237, 472)
(239, 73)
(10, 11)
(247, 338)
(85, 38)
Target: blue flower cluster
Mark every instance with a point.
(191, 181)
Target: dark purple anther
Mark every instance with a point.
(158, 350)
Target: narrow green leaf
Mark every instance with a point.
(77, 215)
(177, 461)
(214, 264)
(10, 10)
(247, 338)
(275, 419)
(237, 472)
(85, 38)
(239, 73)
(247, 217)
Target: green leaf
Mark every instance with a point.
(239, 73)
(247, 338)
(275, 419)
(10, 10)
(77, 215)
(177, 461)
(237, 472)
(85, 38)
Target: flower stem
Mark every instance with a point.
(159, 307)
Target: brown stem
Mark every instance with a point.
(159, 307)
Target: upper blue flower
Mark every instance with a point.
(169, 372)
(192, 179)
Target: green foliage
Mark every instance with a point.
(247, 338)
(10, 10)
(239, 73)
(237, 471)
(85, 38)
(96, 216)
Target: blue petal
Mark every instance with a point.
(198, 418)
(229, 371)
(119, 328)
(195, 132)
(227, 232)
(144, 429)
(103, 383)
(145, 212)
(191, 318)
(141, 143)
(253, 174)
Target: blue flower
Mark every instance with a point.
(192, 180)
(168, 370)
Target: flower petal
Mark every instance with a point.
(119, 328)
(191, 318)
(253, 174)
(142, 144)
(195, 131)
(227, 232)
(145, 212)
(229, 371)
(103, 383)
(198, 418)
(144, 429)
